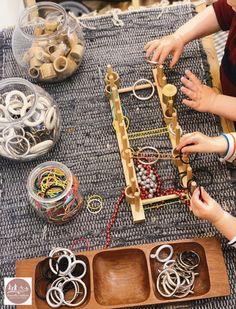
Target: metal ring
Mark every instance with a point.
(164, 271)
(148, 148)
(51, 304)
(73, 264)
(158, 251)
(84, 296)
(143, 98)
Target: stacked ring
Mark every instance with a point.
(94, 203)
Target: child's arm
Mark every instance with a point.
(207, 208)
(205, 99)
(202, 24)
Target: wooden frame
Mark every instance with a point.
(122, 264)
(166, 93)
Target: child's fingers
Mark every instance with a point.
(205, 196)
(163, 55)
(189, 84)
(151, 48)
(189, 103)
(195, 202)
(148, 44)
(192, 77)
(157, 54)
(175, 58)
(185, 140)
(190, 149)
(191, 94)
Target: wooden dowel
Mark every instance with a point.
(109, 69)
(137, 199)
(138, 87)
(193, 186)
(174, 121)
(164, 81)
(160, 74)
(131, 170)
(177, 135)
(189, 173)
(133, 185)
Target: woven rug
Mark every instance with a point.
(88, 146)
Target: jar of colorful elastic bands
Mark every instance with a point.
(54, 192)
(29, 120)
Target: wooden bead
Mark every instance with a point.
(47, 71)
(38, 31)
(50, 25)
(64, 66)
(34, 62)
(73, 39)
(60, 51)
(77, 53)
(33, 72)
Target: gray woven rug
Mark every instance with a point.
(88, 146)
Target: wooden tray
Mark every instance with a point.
(126, 277)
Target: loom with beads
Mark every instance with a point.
(167, 94)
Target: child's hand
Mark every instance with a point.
(206, 207)
(171, 44)
(202, 96)
(198, 142)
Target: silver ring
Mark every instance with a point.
(158, 251)
(143, 98)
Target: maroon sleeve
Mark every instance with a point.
(224, 14)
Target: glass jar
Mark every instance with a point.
(29, 120)
(48, 42)
(54, 192)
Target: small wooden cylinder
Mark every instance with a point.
(174, 121)
(35, 63)
(111, 80)
(34, 72)
(60, 51)
(47, 71)
(160, 74)
(193, 186)
(116, 78)
(73, 40)
(109, 69)
(77, 53)
(64, 66)
(50, 25)
(170, 108)
(177, 135)
(51, 49)
(163, 81)
(168, 119)
(42, 56)
(38, 31)
(169, 92)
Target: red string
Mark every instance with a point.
(113, 219)
(82, 239)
